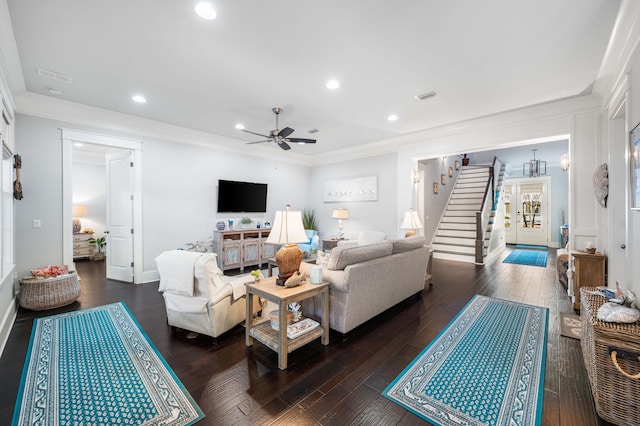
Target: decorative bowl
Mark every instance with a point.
(591, 250)
(274, 316)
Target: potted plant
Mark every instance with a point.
(246, 222)
(99, 243)
(309, 219)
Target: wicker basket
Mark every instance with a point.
(612, 357)
(49, 293)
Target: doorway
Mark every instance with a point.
(134, 261)
(527, 208)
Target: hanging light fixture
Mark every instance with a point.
(534, 168)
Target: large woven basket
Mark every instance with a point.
(49, 293)
(612, 357)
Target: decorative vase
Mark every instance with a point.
(220, 225)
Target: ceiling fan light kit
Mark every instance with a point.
(278, 136)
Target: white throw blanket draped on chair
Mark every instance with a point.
(176, 269)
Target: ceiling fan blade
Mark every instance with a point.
(301, 140)
(285, 132)
(284, 145)
(251, 143)
(254, 133)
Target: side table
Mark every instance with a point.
(283, 296)
(588, 271)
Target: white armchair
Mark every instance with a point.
(198, 297)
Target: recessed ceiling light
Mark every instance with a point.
(240, 126)
(139, 99)
(333, 84)
(392, 117)
(205, 10)
(78, 144)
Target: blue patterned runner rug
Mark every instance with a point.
(527, 257)
(485, 368)
(97, 367)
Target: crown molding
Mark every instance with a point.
(550, 118)
(102, 120)
(624, 40)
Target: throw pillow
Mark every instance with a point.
(322, 258)
(371, 237)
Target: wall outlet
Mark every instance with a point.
(37, 223)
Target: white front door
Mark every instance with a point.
(120, 216)
(528, 210)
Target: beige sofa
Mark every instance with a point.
(366, 280)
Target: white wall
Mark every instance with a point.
(433, 205)
(178, 186)
(377, 215)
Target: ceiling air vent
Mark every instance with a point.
(312, 131)
(53, 75)
(425, 96)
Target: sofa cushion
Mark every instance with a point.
(370, 237)
(410, 243)
(341, 257)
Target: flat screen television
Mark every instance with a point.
(241, 197)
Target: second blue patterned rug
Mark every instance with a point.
(527, 257)
(97, 367)
(485, 368)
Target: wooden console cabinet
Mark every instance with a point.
(588, 271)
(239, 248)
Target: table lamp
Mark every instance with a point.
(411, 221)
(340, 214)
(287, 229)
(78, 211)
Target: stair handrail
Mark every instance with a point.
(482, 217)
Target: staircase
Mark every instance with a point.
(455, 237)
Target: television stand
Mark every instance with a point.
(240, 248)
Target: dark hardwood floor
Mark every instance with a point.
(338, 384)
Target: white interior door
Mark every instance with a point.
(529, 211)
(616, 202)
(120, 216)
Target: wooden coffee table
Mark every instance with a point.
(283, 296)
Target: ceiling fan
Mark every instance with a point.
(280, 136)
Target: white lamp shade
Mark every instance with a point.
(411, 220)
(340, 214)
(287, 228)
(79, 210)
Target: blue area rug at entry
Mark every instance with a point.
(485, 368)
(527, 257)
(528, 246)
(97, 367)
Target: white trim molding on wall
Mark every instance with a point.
(69, 136)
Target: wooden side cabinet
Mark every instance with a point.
(588, 271)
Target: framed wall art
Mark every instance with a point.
(456, 164)
(352, 189)
(435, 187)
(634, 163)
(450, 171)
(443, 179)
